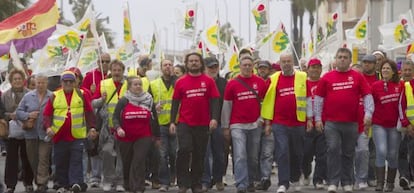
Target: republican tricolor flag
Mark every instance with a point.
(30, 28)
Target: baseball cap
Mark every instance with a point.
(369, 58)
(314, 61)
(264, 63)
(210, 61)
(67, 75)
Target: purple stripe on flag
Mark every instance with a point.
(36, 42)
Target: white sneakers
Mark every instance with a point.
(348, 188)
(106, 187)
(120, 188)
(281, 189)
(332, 189)
(362, 186)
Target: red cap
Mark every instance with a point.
(276, 66)
(75, 70)
(314, 61)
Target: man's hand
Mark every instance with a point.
(34, 114)
(267, 129)
(213, 124)
(50, 132)
(410, 130)
(120, 132)
(173, 129)
(309, 125)
(93, 88)
(226, 134)
(104, 95)
(319, 126)
(367, 124)
(92, 134)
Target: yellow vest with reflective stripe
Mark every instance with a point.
(108, 86)
(410, 102)
(299, 87)
(76, 108)
(145, 83)
(161, 95)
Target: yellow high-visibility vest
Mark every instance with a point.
(410, 102)
(109, 87)
(163, 96)
(60, 110)
(145, 83)
(299, 87)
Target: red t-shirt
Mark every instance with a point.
(88, 80)
(386, 103)
(245, 107)
(136, 122)
(65, 133)
(341, 92)
(285, 103)
(370, 78)
(195, 93)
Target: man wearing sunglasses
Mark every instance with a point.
(94, 77)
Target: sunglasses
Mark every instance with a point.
(68, 81)
(105, 61)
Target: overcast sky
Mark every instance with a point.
(164, 13)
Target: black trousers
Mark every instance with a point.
(191, 149)
(16, 152)
(133, 155)
(314, 146)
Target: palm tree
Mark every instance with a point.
(298, 10)
(79, 8)
(10, 7)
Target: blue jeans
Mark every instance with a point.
(387, 143)
(68, 161)
(214, 169)
(361, 158)
(96, 169)
(246, 144)
(168, 152)
(267, 148)
(289, 152)
(341, 138)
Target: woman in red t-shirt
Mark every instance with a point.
(386, 94)
(136, 125)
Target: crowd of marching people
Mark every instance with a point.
(122, 133)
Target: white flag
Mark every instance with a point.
(398, 33)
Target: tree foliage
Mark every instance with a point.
(10, 7)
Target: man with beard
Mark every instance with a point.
(162, 90)
(196, 97)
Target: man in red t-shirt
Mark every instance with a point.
(338, 93)
(240, 115)
(314, 141)
(65, 115)
(365, 148)
(196, 97)
(93, 78)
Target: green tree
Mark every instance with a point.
(298, 10)
(78, 9)
(10, 7)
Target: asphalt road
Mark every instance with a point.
(230, 188)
